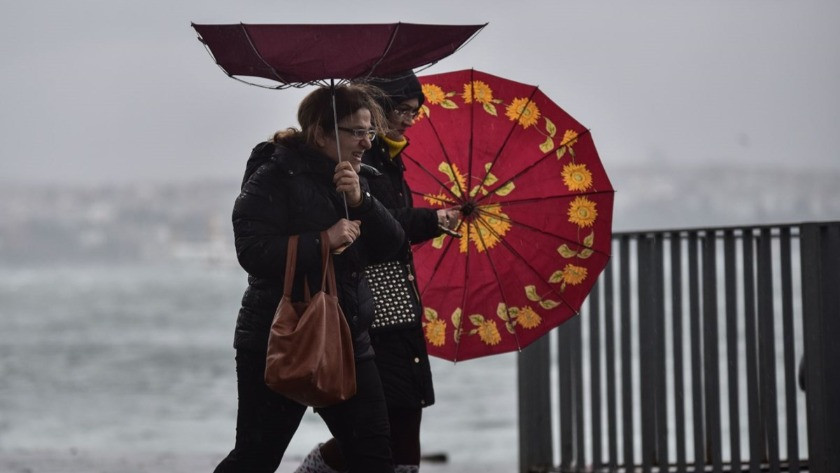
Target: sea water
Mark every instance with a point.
(138, 358)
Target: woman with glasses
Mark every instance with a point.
(400, 349)
(298, 184)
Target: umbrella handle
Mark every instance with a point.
(450, 232)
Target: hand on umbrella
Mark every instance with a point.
(347, 180)
(343, 233)
(449, 219)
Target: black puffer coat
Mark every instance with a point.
(401, 354)
(288, 190)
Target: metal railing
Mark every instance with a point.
(686, 357)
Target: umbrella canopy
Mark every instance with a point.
(536, 209)
(298, 55)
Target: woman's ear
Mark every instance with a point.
(320, 137)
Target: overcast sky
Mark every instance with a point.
(99, 91)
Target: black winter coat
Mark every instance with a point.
(288, 190)
(401, 355)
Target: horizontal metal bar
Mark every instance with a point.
(792, 226)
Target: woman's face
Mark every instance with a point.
(353, 138)
(402, 118)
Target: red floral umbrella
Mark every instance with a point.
(536, 209)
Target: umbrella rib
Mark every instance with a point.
(422, 67)
(532, 228)
(499, 283)
(386, 51)
(472, 36)
(463, 304)
(437, 199)
(424, 169)
(436, 179)
(254, 48)
(525, 261)
(472, 127)
(437, 263)
(434, 271)
(533, 165)
(513, 126)
(448, 161)
(215, 61)
(440, 260)
(462, 191)
(272, 87)
(531, 200)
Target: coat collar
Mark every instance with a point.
(300, 158)
(305, 159)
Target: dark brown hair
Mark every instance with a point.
(316, 111)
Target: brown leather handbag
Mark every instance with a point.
(310, 349)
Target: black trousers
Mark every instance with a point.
(405, 435)
(266, 422)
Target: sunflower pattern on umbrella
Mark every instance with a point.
(536, 213)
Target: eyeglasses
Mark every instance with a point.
(360, 133)
(407, 112)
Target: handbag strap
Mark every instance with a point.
(291, 262)
(328, 274)
(328, 283)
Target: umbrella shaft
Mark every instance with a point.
(337, 147)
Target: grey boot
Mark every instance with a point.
(314, 463)
(406, 468)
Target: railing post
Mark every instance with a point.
(711, 358)
(652, 354)
(820, 253)
(534, 407)
(627, 396)
(766, 351)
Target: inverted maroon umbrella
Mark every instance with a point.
(304, 54)
(536, 209)
(300, 55)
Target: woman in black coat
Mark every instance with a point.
(401, 355)
(293, 186)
